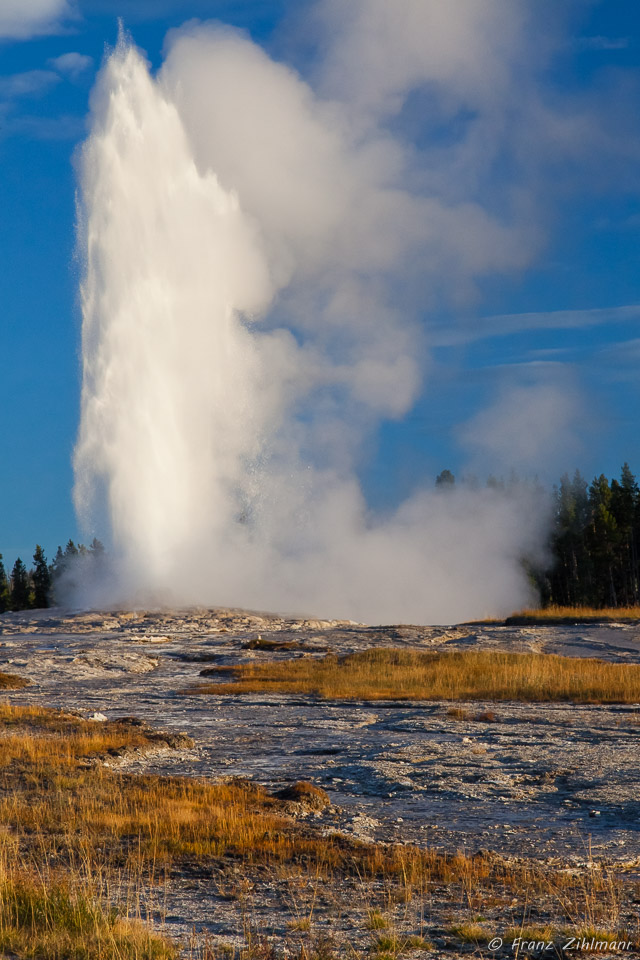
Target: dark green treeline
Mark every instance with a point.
(595, 543)
(40, 586)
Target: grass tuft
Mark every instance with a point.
(471, 932)
(376, 920)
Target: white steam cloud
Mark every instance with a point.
(21, 19)
(256, 252)
(527, 424)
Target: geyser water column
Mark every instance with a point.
(169, 412)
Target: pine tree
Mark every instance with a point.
(494, 484)
(5, 593)
(581, 570)
(20, 587)
(96, 555)
(445, 480)
(67, 574)
(624, 506)
(603, 539)
(70, 550)
(41, 579)
(56, 570)
(96, 548)
(57, 565)
(569, 576)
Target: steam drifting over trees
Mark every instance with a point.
(593, 556)
(45, 584)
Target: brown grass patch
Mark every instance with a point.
(261, 644)
(9, 681)
(391, 674)
(486, 716)
(558, 614)
(459, 713)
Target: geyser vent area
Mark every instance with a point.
(239, 341)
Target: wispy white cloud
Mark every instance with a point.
(16, 88)
(21, 19)
(71, 64)
(508, 323)
(65, 127)
(31, 83)
(527, 426)
(618, 362)
(601, 43)
(232, 11)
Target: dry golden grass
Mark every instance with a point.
(54, 800)
(569, 614)
(58, 914)
(65, 919)
(9, 681)
(59, 806)
(392, 674)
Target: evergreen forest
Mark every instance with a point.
(40, 586)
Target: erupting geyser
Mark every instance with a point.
(171, 412)
(242, 242)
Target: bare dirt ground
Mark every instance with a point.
(555, 783)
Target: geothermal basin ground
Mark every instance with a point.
(553, 786)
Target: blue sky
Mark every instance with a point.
(558, 330)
